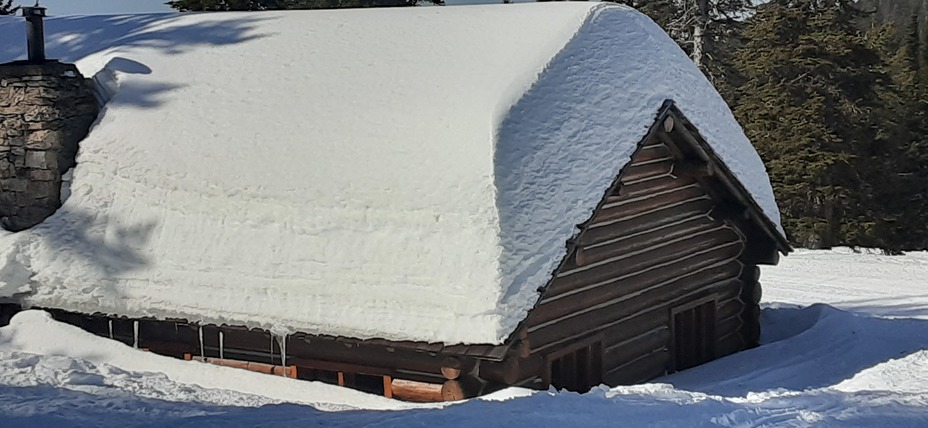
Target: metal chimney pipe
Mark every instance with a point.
(35, 32)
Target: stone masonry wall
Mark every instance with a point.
(45, 110)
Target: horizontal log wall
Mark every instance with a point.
(653, 245)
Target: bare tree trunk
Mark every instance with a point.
(701, 34)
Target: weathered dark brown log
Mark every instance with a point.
(596, 319)
(694, 168)
(646, 367)
(625, 209)
(511, 371)
(703, 245)
(633, 173)
(636, 243)
(421, 392)
(728, 325)
(643, 223)
(729, 308)
(636, 348)
(642, 188)
(635, 326)
(752, 292)
(705, 268)
(650, 153)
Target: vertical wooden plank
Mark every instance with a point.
(388, 386)
(341, 378)
(596, 364)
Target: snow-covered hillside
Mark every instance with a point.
(845, 344)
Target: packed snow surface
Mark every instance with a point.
(408, 173)
(845, 343)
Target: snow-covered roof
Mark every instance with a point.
(408, 174)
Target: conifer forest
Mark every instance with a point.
(833, 93)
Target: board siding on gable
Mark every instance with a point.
(654, 244)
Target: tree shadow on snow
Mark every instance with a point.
(71, 38)
(807, 348)
(134, 93)
(53, 407)
(99, 247)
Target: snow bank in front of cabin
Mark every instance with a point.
(38, 351)
(818, 364)
(408, 174)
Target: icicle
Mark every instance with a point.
(111, 329)
(283, 351)
(202, 352)
(135, 334)
(222, 354)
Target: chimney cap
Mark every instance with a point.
(30, 11)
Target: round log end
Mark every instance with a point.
(450, 373)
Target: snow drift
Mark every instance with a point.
(408, 174)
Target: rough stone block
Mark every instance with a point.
(42, 140)
(41, 113)
(36, 159)
(41, 189)
(14, 184)
(43, 175)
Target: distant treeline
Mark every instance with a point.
(834, 97)
(833, 93)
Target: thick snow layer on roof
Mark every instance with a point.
(408, 174)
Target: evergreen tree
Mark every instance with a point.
(902, 222)
(811, 103)
(706, 29)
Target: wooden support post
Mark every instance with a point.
(341, 378)
(388, 386)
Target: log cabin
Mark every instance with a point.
(575, 205)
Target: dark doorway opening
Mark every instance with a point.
(693, 327)
(578, 368)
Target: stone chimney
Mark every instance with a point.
(46, 108)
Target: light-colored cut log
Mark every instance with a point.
(463, 388)
(285, 371)
(422, 392)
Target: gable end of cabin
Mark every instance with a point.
(663, 277)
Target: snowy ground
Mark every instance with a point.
(845, 344)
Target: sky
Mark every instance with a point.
(96, 7)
